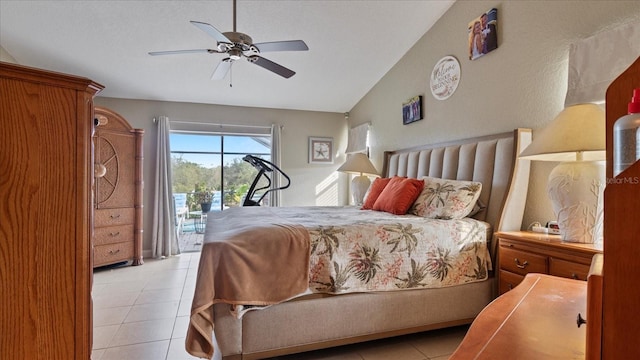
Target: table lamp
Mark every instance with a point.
(360, 164)
(576, 137)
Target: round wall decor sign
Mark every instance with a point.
(445, 77)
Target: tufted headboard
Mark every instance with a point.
(491, 160)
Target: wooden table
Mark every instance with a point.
(536, 320)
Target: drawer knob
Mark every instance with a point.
(115, 233)
(574, 276)
(114, 252)
(519, 265)
(580, 320)
(115, 216)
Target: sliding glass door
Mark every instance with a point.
(213, 162)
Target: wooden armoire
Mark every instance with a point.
(118, 190)
(621, 269)
(46, 210)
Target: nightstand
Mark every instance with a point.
(524, 252)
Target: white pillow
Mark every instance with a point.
(446, 199)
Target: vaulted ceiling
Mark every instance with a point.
(352, 45)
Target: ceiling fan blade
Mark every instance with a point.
(209, 29)
(175, 52)
(222, 69)
(291, 45)
(271, 66)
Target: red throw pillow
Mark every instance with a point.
(398, 196)
(374, 191)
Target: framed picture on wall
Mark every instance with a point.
(483, 34)
(412, 110)
(320, 150)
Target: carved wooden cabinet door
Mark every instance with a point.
(118, 190)
(116, 151)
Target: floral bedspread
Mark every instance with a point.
(355, 250)
(248, 265)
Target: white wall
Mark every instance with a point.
(310, 184)
(520, 84)
(6, 57)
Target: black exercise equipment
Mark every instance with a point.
(263, 166)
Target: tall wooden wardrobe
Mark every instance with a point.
(621, 270)
(118, 190)
(46, 172)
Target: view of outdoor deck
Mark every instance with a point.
(191, 235)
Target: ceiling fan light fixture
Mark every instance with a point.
(236, 45)
(235, 54)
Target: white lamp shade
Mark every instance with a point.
(577, 129)
(576, 137)
(359, 164)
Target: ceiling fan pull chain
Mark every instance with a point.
(231, 76)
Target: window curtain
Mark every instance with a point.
(164, 237)
(276, 133)
(357, 140)
(596, 61)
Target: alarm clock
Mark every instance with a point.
(553, 227)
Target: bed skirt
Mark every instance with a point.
(331, 320)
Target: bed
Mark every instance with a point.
(275, 281)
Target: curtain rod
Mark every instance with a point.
(155, 121)
(219, 125)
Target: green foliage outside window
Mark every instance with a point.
(199, 181)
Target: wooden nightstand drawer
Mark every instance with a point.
(523, 252)
(521, 262)
(568, 269)
(508, 281)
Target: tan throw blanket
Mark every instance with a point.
(249, 257)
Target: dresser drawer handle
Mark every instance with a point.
(580, 320)
(115, 233)
(574, 276)
(111, 252)
(521, 266)
(115, 216)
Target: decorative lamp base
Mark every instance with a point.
(576, 191)
(359, 186)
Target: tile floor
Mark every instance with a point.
(141, 312)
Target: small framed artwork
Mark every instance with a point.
(412, 110)
(320, 150)
(483, 34)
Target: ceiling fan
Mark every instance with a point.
(237, 45)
